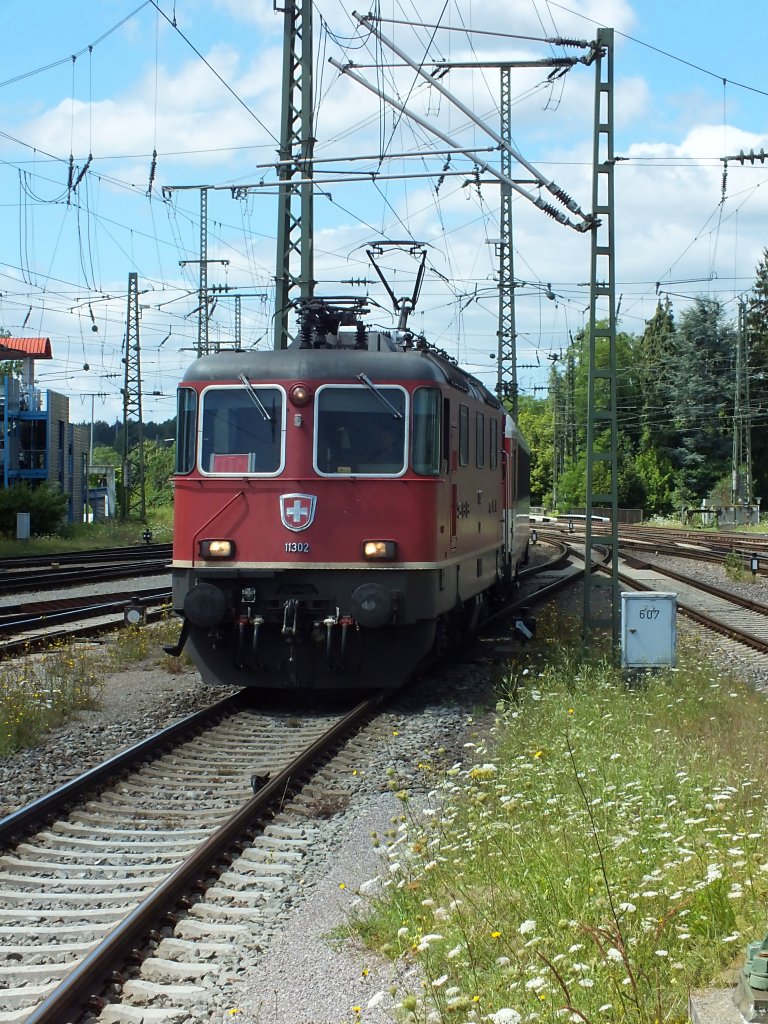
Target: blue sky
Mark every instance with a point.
(137, 85)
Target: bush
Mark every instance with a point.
(47, 508)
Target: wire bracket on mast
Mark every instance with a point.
(552, 187)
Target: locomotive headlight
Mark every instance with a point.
(217, 549)
(380, 550)
(300, 394)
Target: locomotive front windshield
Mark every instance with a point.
(360, 431)
(241, 430)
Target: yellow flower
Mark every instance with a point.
(342, 885)
(495, 935)
(538, 753)
(364, 972)
(357, 1009)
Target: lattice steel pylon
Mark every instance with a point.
(506, 384)
(741, 469)
(202, 291)
(133, 504)
(602, 420)
(295, 264)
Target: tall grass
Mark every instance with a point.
(42, 691)
(86, 536)
(599, 853)
(39, 692)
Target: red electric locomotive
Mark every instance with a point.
(343, 507)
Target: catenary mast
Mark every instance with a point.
(294, 274)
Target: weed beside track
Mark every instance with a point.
(599, 854)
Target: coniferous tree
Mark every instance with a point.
(656, 353)
(756, 324)
(700, 397)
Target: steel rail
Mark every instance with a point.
(709, 588)
(748, 639)
(87, 607)
(38, 812)
(82, 557)
(40, 641)
(87, 982)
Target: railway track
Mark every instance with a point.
(33, 626)
(698, 545)
(100, 556)
(61, 571)
(718, 609)
(86, 898)
(97, 883)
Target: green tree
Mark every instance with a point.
(658, 477)
(700, 397)
(47, 508)
(105, 455)
(158, 470)
(535, 421)
(756, 323)
(657, 352)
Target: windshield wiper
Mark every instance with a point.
(254, 397)
(396, 414)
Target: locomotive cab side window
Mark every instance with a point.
(359, 431)
(479, 440)
(494, 443)
(463, 435)
(186, 416)
(240, 435)
(426, 454)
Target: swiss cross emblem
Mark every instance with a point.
(297, 510)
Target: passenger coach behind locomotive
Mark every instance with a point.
(343, 508)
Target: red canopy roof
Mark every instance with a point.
(40, 348)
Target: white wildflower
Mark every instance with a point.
(506, 1015)
(527, 927)
(536, 984)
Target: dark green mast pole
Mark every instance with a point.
(602, 421)
(294, 274)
